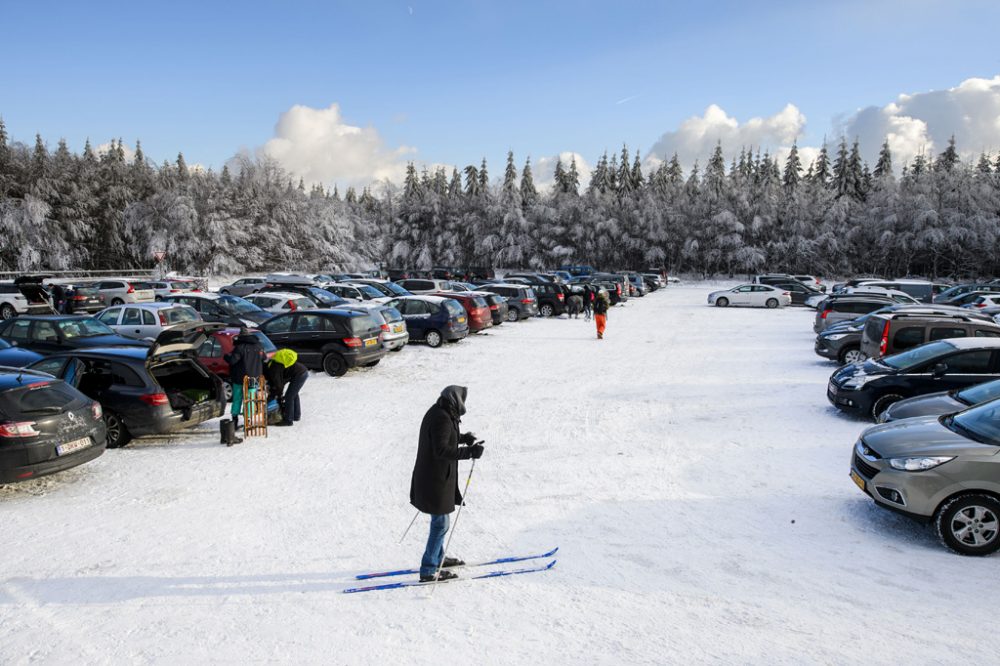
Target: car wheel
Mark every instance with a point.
(883, 402)
(970, 524)
(118, 434)
(433, 339)
(513, 314)
(372, 364)
(547, 310)
(850, 355)
(772, 303)
(117, 301)
(722, 302)
(335, 365)
(227, 391)
(7, 311)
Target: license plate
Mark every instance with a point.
(371, 342)
(398, 328)
(831, 388)
(75, 445)
(856, 478)
(461, 320)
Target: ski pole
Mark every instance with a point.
(409, 526)
(454, 525)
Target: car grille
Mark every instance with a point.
(863, 467)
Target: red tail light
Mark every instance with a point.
(95, 409)
(385, 327)
(885, 340)
(175, 291)
(825, 313)
(78, 298)
(527, 300)
(131, 290)
(352, 342)
(163, 319)
(155, 399)
(980, 305)
(291, 305)
(18, 429)
(560, 297)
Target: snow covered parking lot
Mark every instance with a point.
(688, 466)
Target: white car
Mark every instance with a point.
(281, 301)
(984, 301)
(12, 301)
(117, 291)
(145, 321)
(894, 294)
(394, 332)
(356, 292)
(751, 295)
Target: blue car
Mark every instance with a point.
(432, 319)
(48, 334)
(15, 357)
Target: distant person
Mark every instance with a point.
(601, 306)
(246, 360)
(588, 301)
(434, 484)
(286, 377)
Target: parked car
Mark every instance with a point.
(423, 285)
(751, 295)
(74, 297)
(432, 319)
(984, 301)
(48, 334)
(12, 301)
(12, 356)
(212, 353)
(163, 288)
(894, 332)
(576, 271)
(872, 290)
(356, 292)
(810, 281)
(839, 287)
(323, 298)
(773, 278)
(117, 292)
(654, 281)
(145, 321)
(961, 289)
(521, 300)
(551, 299)
(869, 387)
(476, 308)
(498, 306)
(223, 308)
(836, 309)
(46, 426)
(333, 340)
(938, 469)
(920, 290)
(277, 302)
(387, 288)
(969, 297)
(157, 390)
(244, 286)
(394, 332)
(941, 402)
(33, 288)
(798, 291)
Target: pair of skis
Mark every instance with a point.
(475, 565)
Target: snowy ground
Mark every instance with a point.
(688, 467)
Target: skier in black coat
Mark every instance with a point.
(434, 485)
(246, 360)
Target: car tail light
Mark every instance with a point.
(291, 305)
(78, 298)
(95, 409)
(131, 290)
(527, 300)
(18, 429)
(980, 305)
(560, 297)
(163, 319)
(825, 313)
(155, 399)
(885, 340)
(175, 291)
(352, 342)
(786, 293)
(494, 307)
(385, 327)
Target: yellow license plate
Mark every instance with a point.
(857, 479)
(398, 328)
(371, 342)
(461, 320)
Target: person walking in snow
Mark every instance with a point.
(434, 484)
(588, 301)
(601, 306)
(285, 375)
(246, 360)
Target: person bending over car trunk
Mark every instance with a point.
(434, 484)
(286, 375)
(246, 360)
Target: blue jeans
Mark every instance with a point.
(434, 553)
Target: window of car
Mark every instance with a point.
(133, 317)
(986, 333)
(280, 324)
(918, 355)
(454, 309)
(18, 330)
(210, 348)
(308, 323)
(53, 366)
(414, 307)
(83, 328)
(970, 362)
(945, 333)
(743, 290)
(44, 331)
(109, 316)
(148, 319)
(908, 337)
(528, 293)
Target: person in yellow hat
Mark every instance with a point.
(286, 375)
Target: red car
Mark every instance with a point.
(213, 352)
(475, 306)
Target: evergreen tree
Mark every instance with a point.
(715, 172)
(624, 175)
(883, 168)
(484, 179)
(841, 170)
(949, 158)
(509, 190)
(472, 181)
(821, 167)
(528, 192)
(411, 183)
(983, 166)
(793, 169)
(572, 186)
(455, 186)
(559, 177)
(637, 178)
(39, 158)
(182, 169)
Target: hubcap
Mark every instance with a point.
(854, 356)
(975, 526)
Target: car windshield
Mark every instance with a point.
(237, 305)
(369, 291)
(914, 357)
(980, 393)
(44, 396)
(480, 302)
(180, 314)
(982, 423)
(363, 324)
(325, 297)
(83, 328)
(396, 289)
(454, 309)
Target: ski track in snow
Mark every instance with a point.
(667, 462)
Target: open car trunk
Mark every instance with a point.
(186, 384)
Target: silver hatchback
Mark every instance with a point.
(145, 321)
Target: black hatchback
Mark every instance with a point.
(46, 426)
(48, 334)
(869, 387)
(333, 340)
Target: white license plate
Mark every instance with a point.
(75, 445)
(832, 388)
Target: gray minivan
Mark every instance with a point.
(893, 332)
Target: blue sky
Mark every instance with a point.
(460, 80)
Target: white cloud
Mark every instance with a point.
(319, 146)
(697, 136)
(925, 121)
(105, 147)
(543, 170)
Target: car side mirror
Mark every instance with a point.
(939, 370)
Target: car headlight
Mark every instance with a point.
(835, 336)
(857, 381)
(918, 464)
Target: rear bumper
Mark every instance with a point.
(364, 357)
(13, 468)
(395, 342)
(455, 333)
(171, 420)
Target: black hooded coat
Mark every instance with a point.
(434, 485)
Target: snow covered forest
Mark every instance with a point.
(107, 210)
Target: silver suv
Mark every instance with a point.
(940, 469)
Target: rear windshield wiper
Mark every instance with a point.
(43, 410)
